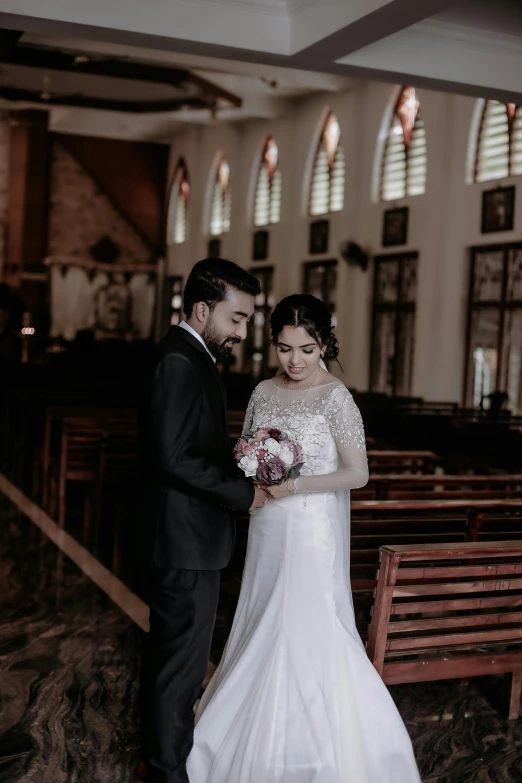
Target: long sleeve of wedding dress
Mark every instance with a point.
(347, 429)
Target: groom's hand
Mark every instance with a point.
(260, 499)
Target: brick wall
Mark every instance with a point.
(80, 214)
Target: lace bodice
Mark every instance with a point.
(326, 422)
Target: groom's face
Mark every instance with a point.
(227, 323)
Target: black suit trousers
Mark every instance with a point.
(183, 607)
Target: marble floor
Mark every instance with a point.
(69, 660)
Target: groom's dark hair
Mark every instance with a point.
(209, 279)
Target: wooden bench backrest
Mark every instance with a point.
(401, 461)
(443, 487)
(445, 611)
(80, 452)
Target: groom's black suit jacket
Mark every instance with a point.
(191, 483)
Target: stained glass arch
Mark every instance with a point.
(267, 202)
(499, 142)
(178, 205)
(404, 161)
(328, 174)
(221, 200)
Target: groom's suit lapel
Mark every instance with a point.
(188, 338)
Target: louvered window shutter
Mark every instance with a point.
(337, 181)
(416, 160)
(320, 190)
(275, 197)
(516, 142)
(393, 182)
(262, 201)
(493, 144)
(216, 216)
(180, 219)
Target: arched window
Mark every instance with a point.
(177, 215)
(327, 188)
(221, 200)
(267, 205)
(499, 147)
(405, 159)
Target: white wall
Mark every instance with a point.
(443, 223)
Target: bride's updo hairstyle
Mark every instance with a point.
(309, 312)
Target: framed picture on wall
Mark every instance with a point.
(498, 208)
(214, 248)
(395, 227)
(319, 231)
(260, 245)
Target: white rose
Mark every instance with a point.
(287, 457)
(248, 465)
(272, 446)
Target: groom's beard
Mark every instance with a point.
(217, 347)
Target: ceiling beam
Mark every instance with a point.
(52, 27)
(429, 83)
(370, 28)
(82, 101)
(8, 41)
(53, 60)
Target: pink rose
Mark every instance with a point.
(271, 472)
(261, 433)
(242, 448)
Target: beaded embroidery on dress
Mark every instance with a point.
(295, 698)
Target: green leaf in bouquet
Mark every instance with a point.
(295, 472)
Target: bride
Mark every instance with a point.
(295, 698)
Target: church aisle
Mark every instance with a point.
(69, 663)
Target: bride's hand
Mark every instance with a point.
(276, 491)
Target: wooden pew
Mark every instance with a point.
(93, 418)
(84, 416)
(118, 481)
(440, 487)
(445, 612)
(401, 461)
(79, 461)
(82, 455)
(399, 522)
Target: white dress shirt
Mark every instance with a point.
(190, 330)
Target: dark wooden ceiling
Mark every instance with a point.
(182, 89)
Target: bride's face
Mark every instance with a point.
(298, 353)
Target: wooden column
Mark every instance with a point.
(28, 207)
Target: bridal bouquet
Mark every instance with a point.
(268, 455)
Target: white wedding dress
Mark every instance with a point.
(295, 698)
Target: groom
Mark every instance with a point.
(192, 485)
